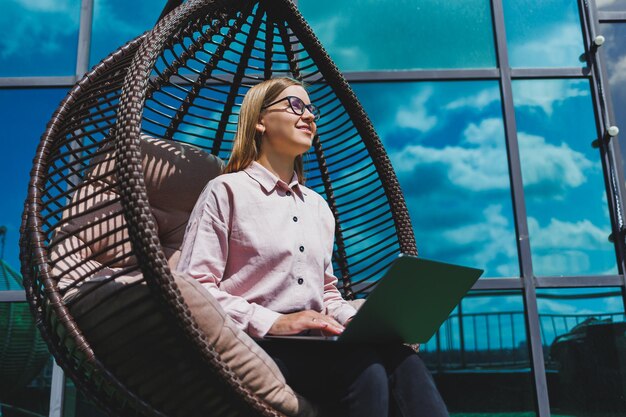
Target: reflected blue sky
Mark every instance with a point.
(115, 23)
(445, 139)
(25, 114)
(566, 201)
(364, 35)
(38, 37)
(543, 33)
(446, 143)
(614, 51)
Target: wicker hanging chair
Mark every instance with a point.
(116, 175)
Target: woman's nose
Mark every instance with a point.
(308, 114)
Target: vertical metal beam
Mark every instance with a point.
(609, 148)
(84, 38)
(57, 391)
(519, 213)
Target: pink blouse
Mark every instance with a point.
(262, 247)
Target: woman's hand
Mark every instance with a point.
(294, 323)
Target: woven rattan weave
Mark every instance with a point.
(184, 82)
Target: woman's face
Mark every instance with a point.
(285, 132)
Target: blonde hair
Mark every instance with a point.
(247, 145)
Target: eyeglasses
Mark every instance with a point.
(298, 106)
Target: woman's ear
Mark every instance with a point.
(260, 127)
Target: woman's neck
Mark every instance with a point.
(280, 166)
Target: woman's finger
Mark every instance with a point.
(324, 323)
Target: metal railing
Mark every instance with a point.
(498, 340)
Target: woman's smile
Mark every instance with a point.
(306, 128)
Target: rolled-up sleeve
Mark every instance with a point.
(204, 255)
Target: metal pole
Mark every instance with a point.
(462, 335)
(57, 391)
(84, 38)
(519, 212)
(3, 233)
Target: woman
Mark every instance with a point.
(261, 243)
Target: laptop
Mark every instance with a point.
(409, 304)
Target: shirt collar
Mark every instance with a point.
(268, 180)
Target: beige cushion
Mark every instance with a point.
(175, 174)
(94, 227)
(251, 363)
(135, 316)
(93, 242)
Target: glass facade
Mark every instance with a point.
(542, 34)
(114, 24)
(615, 53)
(363, 35)
(499, 165)
(39, 38)
(566, 201)
(584, 336)
(446, 143)
(483, 347)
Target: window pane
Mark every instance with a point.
(583, 333)
(611, 5)
(446, 144)
(25, 364)
(543, 33)
(566, 202)
(615, 52)
(115, 23)
(39, 38)
(364, 35)
(26, 112)
(482, 348)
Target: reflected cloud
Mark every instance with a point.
(566, 235)
(476, 169)
(45, 5)
(618, 71)
(546, 95)
(562, 247)
(477, 101)
(480, 166)
(327, 32)
(548, 306)
(37, 27)
(491, 238)
(556, 46)
(560, 261)
(489, 132)
(579, 302)
(452, 166)
(415, 114)
(550, 170)
(110, 20)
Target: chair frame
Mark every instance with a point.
(134, 63)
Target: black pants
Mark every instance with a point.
(359, 380)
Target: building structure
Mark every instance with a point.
(497, 116)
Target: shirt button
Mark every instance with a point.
(301, 248)
(295, 219)
(288, 193)
(300, 281)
